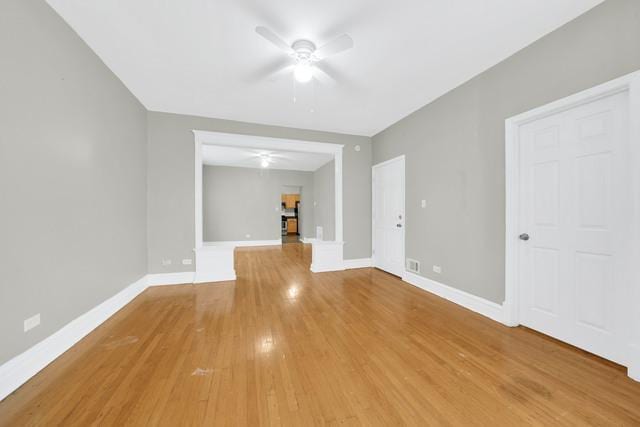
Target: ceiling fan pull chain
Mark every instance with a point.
(295, 98)
(313, 99)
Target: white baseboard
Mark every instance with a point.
(208, 276)
(357, 263)
(326, 268)
(240, 243)
(170, 278)
(21, 368)
(474, 303)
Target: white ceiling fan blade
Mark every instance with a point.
(323, 76)
(274, 38)
(269, 69)
(342, 43)
(288, 70)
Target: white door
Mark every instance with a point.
(575, 211)
(388, 216)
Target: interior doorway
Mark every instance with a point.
(292, 221)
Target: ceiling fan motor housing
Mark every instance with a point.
(303, 50)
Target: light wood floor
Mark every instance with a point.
(283, 346)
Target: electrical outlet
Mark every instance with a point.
(423, 204)
(166, 262)
(248, 236)
(31, 322)
(437, 269)
(187, 261)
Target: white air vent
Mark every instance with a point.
(413, 265)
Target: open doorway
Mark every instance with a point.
(292, 218)
(244, 207)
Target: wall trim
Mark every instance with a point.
(481, 306)
(326, 255)
(357, 263)
(242, 243)
(215, 263)
(22, 367)
(162, 279)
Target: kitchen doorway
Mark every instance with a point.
(291, 223)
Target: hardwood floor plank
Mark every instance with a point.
(283, 346)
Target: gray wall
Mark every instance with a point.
(324, 200)
(241, 201)
(72, 177)
(455, 145)
(170, 182)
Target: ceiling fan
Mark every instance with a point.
(306, 56)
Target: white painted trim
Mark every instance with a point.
(357, 263)
(266, 142)
(198, 194)
(326, 268)
(21, 368)
(161, 279)
(629, 83)
(400, 158)
(474, 303)
(213, 277)
(386, 162)
(215, 263)
(338, 194)
(326, 256)
(241, 243)
(307, 239)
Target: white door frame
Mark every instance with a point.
(333, 249)
(631, 84)
(404, 207)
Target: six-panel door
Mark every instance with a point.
(574, 192)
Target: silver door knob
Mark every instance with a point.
(524, 236)
(399, 225)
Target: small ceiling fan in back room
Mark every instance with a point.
(305, 60)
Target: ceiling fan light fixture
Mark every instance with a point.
(303, 72)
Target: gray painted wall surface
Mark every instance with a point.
(324, 197)
(240, 201)
(72, 177)
(455, 145)
(170, 183)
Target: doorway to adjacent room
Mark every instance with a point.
(291, 223)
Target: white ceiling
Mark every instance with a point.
(245, 157)
(202, 57)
